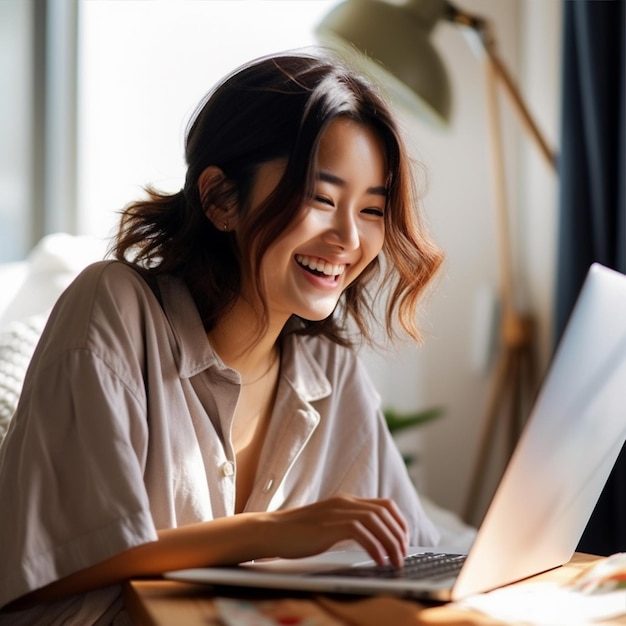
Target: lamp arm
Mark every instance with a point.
(503, 75)
(484, 30)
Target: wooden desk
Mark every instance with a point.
(168, 603)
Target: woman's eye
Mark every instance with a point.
(374, 211)
(324, 200)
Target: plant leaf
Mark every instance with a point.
(400, 421)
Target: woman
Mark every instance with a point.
(197, 400)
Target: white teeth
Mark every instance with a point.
(319, 265)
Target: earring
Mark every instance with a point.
(225, 226)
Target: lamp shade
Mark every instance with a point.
(394, 45)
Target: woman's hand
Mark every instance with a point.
(375, 524)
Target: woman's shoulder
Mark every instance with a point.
(111, 273)
(109, 280)
(103, 312)
(104, 294)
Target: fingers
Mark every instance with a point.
(375, 524)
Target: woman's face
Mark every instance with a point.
(340, 229)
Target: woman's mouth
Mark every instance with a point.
(320, 267)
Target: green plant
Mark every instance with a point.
(397, 422)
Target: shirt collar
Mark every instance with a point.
(195, 353)
(303, 371)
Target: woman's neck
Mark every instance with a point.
(243, 344)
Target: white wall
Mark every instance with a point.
(144, 66)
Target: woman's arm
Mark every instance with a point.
(375, 524)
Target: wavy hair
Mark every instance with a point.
(278, 107)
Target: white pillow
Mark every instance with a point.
(50, 267)
(17, 344)
(12, 275)
(30, 289)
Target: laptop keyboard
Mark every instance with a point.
(416, 567)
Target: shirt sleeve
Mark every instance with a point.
(71, 471)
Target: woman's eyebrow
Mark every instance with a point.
(327, 177)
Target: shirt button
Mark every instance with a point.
(228, 468)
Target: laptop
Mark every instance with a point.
(545, 497)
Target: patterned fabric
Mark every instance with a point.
(17, 344)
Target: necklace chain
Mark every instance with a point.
(264, 374)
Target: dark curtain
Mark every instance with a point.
(592, 169)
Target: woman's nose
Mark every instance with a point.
(343, 230)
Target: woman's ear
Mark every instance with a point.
(218, 196)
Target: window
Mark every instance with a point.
(143, 68)
(16, 131)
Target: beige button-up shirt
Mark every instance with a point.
(123, 427)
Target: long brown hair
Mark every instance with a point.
(278, 107)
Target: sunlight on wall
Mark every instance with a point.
(144, 66)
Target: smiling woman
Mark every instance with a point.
(211, 407)
(339, 232)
